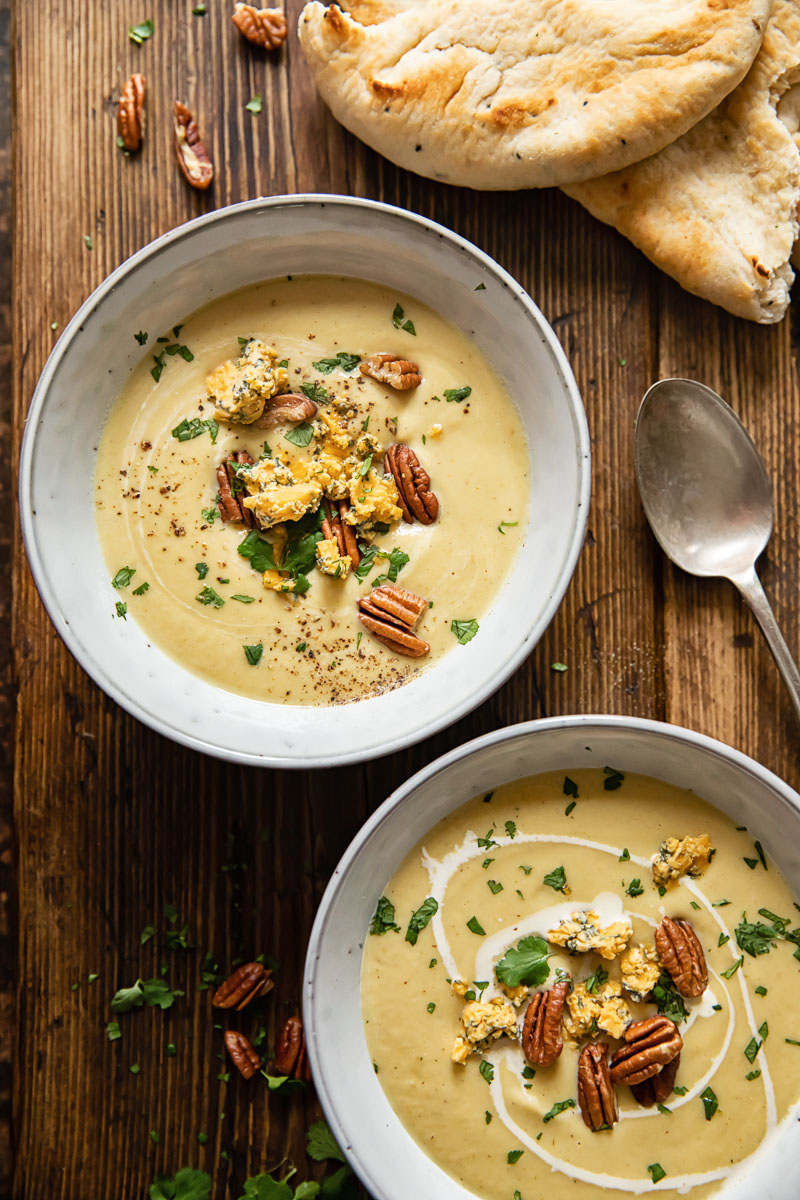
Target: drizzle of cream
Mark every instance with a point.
(609, 908)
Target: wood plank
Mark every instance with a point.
(112, 821)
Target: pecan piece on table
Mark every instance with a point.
(193, 158)
(288, 407)
(680, 951)
(262, 26)
(240, 1048)
(230, 501)
(246, 984)
(649, 1046)
(390, 614)
(413, 484)
(334, 527)
(596, 1098)
(657, 1088)
(391, 369)
(541, 1032)
(290, 1052)
(130, 112)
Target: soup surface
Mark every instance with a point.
(158, 499)
(490, 889)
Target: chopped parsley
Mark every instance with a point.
(253, 653)
(486, 843)
(464, 631)
(301, 435)
(723, 938)
(487, 1070)
(193, 428)
(657, 1172)
(761, 990)
(399, 322)
(141, 589)
(244, 599)
(202, 569)
(494, 886)
(569, 807)
(514, 1156)
(209, 596)
(668, 1000)
(141, 32)
(342, 360)
(559, 1107)
(113, 1031)
(625, 856)
(88, 241)
(634, 888)
(474, 926)
(559, 667)
(420, 919)
(511, 829)
(431, 1007)
(487, 1116)
(524, 964)
(613, 779)
(123, 577)
(731, 971)
(456, 395)
(254, 104)
(210, 514)
(383, 921)
(596, 980)
(155, 993)
(710, 1103)
(751, 1049)
(315, 392)
(557, 880)
(121, 610)
(141, 337)
(570, 787)
(504, 525)
(751, 1075)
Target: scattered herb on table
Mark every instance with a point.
(254, 104)
(141, 32)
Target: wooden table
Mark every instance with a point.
(113, 822)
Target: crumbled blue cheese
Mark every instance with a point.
(483, 1024)
(581, 932)
(330, 561)
(587, 1012)
(640, 967)
(240, 389)
(681, 856)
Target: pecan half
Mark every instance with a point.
(193, 158)
(289, 407)
(240, 1048)
(413, 484)
(541, 1032)
(596, 1097)
(290, 1052)
(657, 1088)
(682, 955)
(649, 1046)
(391, 369)
(262, 26)
(246, 984)
(130, 112)
(230, 501)
(334, 526)
(390, 614)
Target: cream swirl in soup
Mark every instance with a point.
(586, 883)
(253, 580)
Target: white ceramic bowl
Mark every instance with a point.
(390, 1163)
(157, 288)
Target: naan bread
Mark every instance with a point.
(717, 209)
(527, 93)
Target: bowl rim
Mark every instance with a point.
(47, 593)
(509, 733)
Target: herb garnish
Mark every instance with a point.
(731, 971)
(657, 1172)
(141, 337)
(253, 653)
(398, 321)
(596, 980)
(494, 886)
(123, 577)
(464, 631)
(634, 888)
(709, 1102)
(121, 609)
(613, 779)
(456, 395)
(209, 596)
(474, 926)
(141, 32)
(570, 787)
(514, 1156)
(668, 1000)
(557, 880)
(155, 993)
(202, 569)
(751, 1049)
(420, 919)
(383, 921)
(342, 360)
(569, 807)
(487, 1070)
(301, 435)
(193, 428)
(559, 1107)
(254, 104)
(504, 525)
(625, 856)
(524, 964)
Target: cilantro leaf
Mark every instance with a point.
(657, 1172)
(188, 429)
(264, 1187)
(456, 395)
(559, 1107)
(668, 999)
(710, 1103)
(141, 32)
(557, 880)
(258, 550)
(525, 964)
(754, 937)
(383, 921)
(321, 1144)
(342, 360)
(254, 104)
(570, 787)
(420, 919)
(315, 392)
(126, 999)
(253, 653)
(474, 926)
(208, 596)
(301, 435)
(123, 577)
(464, 631)
(487, 1070)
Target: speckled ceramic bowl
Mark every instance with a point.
(390, 1163)
(206, 259)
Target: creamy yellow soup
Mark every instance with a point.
(502, 1128)
(157, 496)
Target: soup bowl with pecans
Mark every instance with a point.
(304, 480)
(562, 960)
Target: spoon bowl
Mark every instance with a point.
(707, 496)
(703, 484)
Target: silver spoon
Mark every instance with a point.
(707, 496)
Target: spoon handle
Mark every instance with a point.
(750, 586)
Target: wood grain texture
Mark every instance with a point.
(112, 822)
